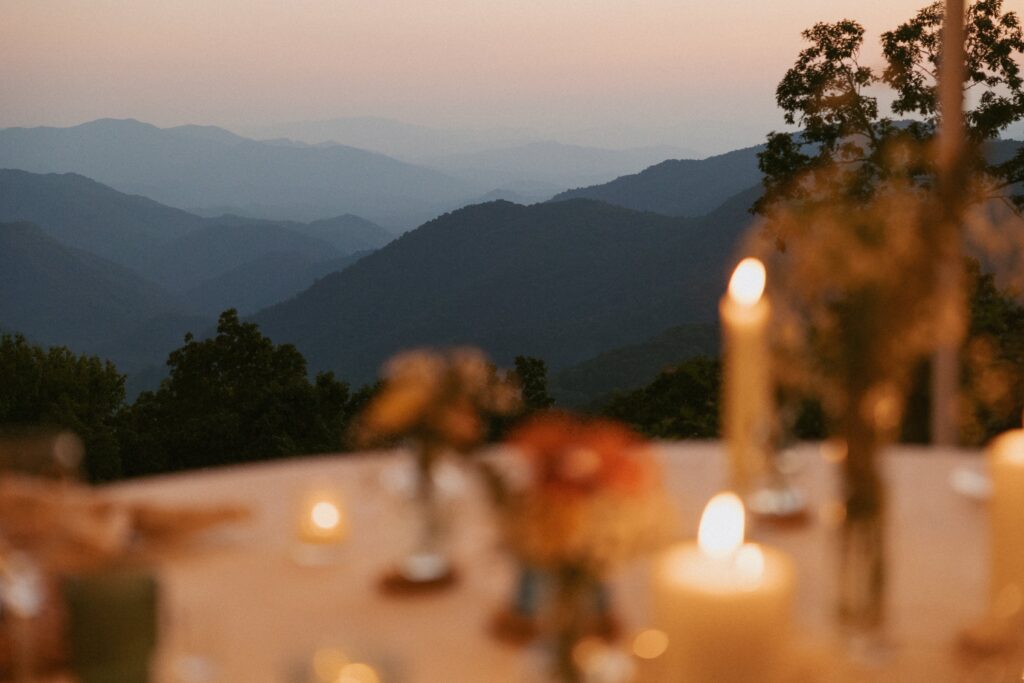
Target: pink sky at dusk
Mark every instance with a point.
(699, 71)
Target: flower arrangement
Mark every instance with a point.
(591, 499)
(857, 311)
(437, 400)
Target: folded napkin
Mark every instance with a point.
(90, 550)
(70, 526)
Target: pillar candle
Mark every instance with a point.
(746, 383)
(1006, 457)
(724, 605)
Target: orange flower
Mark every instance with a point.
(584, 457)
(594, 499)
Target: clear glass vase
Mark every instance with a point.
(429, 494)
(862, 539)
(577, 622)
(428, 560)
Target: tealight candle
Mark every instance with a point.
(746, 382)
(725, 606)
(322, 519)
(1006, 511)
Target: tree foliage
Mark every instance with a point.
(56, 388)
(233, 398)
(532, 376)
(993, 360)
(681, 403)
(828, 93)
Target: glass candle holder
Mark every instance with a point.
(321, 526)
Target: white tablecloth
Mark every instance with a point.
(238, 598)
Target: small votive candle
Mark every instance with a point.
(723, 607)
(322, 519)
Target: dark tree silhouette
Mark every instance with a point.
(827, 94)
(232, 398)
(56, 388)
(532, 375)
(681, 403)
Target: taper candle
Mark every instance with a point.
(746, 382)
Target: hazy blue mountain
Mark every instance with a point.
(690, 187)
(199, 166)
(632, 366)
(681, 187)
(401, 140)
(563, 281)
(59, 295)
(175, 248)
(348, 234)
(521, 192)
(265, 280)
(220, 248)
(82, 213)
(551, 162)
(414, 143)
(141, 348)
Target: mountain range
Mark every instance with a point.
(55, 294)
(551, 163)
(175, 249)
(563, 281)
(566, 280)
(679, 187)
(125, 277)
(197, 167)
(632, 366)
(607, 283)
(395, 138)
(211, 171)
(414, 142)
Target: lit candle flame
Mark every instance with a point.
(721, 526)
(747, 283)
(325, 515)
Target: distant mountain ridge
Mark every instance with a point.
(395, 138)
(199, 166)
(679, 187)
(85, 214)
(163, 272)
(175, 248)
(551, 162)
(634, 365)
(416, 143)
(52, 293)
(266, 280)
(563, 281)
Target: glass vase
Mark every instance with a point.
(429, 494)
(578, 610)
(862, 543)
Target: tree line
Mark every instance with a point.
(237, 397)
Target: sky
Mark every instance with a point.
(619, 72)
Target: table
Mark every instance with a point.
(240, 598)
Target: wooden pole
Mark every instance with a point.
(949, 282)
